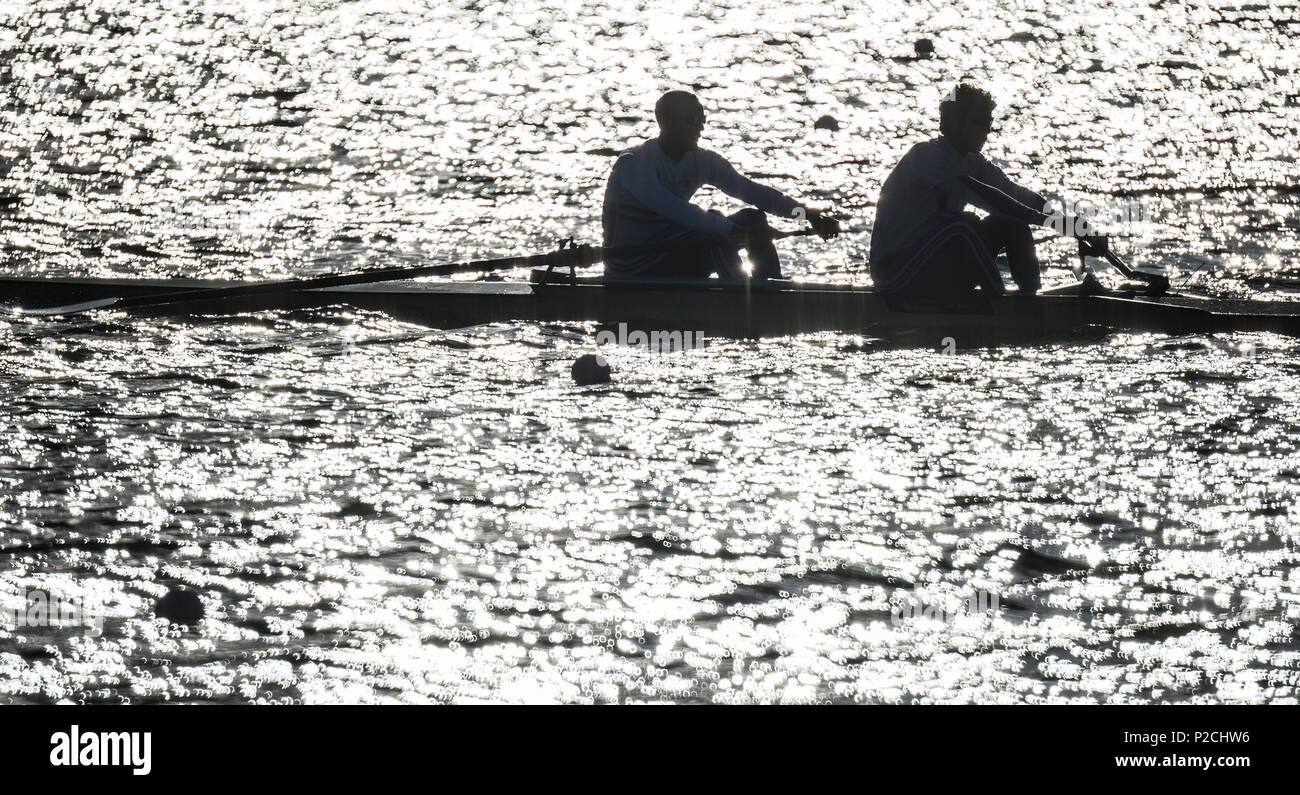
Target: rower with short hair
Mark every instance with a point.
(925, 243)
(647, 202)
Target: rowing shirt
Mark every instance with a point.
(934, 181)
(647, 201)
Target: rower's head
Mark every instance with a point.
(966, 116)
(681, 120)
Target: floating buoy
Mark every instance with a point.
(357, 508)
(924, 48)
(590, 369)
(826, 123)
(180, 606)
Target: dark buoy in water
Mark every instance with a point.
(826, 123)
(924, 48)
(357, 508)
(590, 369)
(180, 606)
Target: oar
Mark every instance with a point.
(576, 255)
(1157, 284)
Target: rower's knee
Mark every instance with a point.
(750, 218)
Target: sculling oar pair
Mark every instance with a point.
(568, 256)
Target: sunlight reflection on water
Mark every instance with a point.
(373, 511)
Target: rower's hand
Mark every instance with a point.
(824, 224)
(1093, 245)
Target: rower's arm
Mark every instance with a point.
(998, 202)
(726, 178)
(639, 179)
(988, 173)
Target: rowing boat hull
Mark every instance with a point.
(719, 311)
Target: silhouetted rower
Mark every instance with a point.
(647, 202)
(925, 243)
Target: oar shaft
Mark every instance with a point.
(582, 255)
(1157, 284)
(371, 276)
(1121, 265)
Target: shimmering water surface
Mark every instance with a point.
(373, 511)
